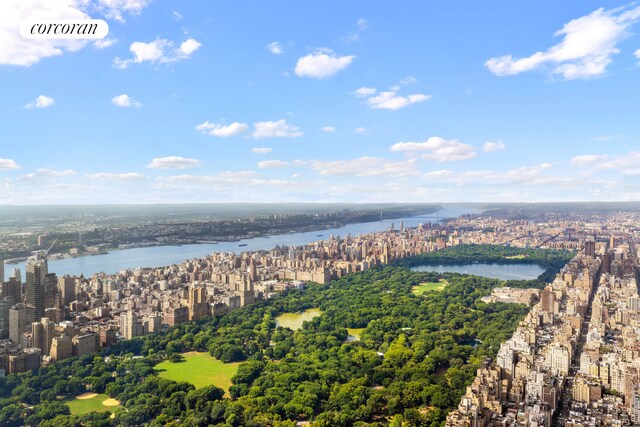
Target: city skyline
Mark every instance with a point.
(360, 102)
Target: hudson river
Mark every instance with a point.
(158, 256)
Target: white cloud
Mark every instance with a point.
(48, 173)
(364, 91)
(261, 150)
(627, 164)
(390, 100)
(8, 164)
(587, 47)
(438, 149)
(160, 51)
(272, 164)
(366, 166)
(276, 129)
(104, 43)
(328, 129)
(362, 24)
(16, 50)
(222, 131)
(321, 64)
(177, 15)
(275, 48)
(41, 101)
(189, 46)
(588, 159)
(114, 8)
(125, 100)
(409, 80)
(360, 131)
(605, 138)
(490, 146)
(127, 176)
(173, 162)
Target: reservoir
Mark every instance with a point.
(494, 271)
(159, 256)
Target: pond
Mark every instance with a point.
(294, 320)
(494, 271)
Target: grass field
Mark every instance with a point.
(430, 286)
(199, 369)
(516, 257)
(95, 402)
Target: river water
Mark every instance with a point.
(158, 256)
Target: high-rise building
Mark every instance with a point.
(67, 287)
(61, 348)
(13, 288)
(1, 270)
(590, 247)
(35, 287)
(17, 322)
(5, 306)
(17, 274)
(198, 306)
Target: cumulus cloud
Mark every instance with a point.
(438, 149)
(366, 166)
(588, 159)
(41, 101)
(364, 91)
(586, 49)
(173, 162)
(114, 8)
(275, 129)
(125, 101)
(388, 100)
(8, 164)
(321, 64)
(490, 146)
(627, 164)
(261, 150)
(360, 131)
(362, 24)
(275, 48)
(328, 129)
(19, 51)
(104, 43)
(222, 131)
(160, 51)
(392, 101)
(127, 176)
(272, 164)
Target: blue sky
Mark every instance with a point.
(359, 101)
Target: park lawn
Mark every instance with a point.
(430, 286)
(200, 369)
(95, 403)
(521, 256)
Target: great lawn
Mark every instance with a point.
(430, 286)
(199, 369)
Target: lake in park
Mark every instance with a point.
(294, 320)
(494, 271)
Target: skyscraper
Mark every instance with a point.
(1, 270)
(34, 291)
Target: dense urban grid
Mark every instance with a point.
(574, 360)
